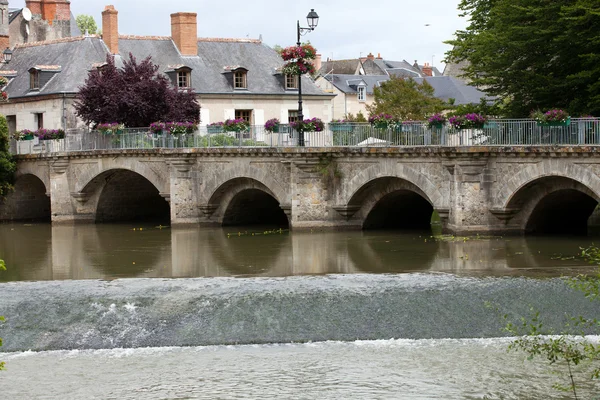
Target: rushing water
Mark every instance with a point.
(257, 314)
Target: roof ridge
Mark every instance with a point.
(230, 40)
(54, 41)
(140, 37)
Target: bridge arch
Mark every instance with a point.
(28, 201)
(118, 195)
(247, 201)
(548, 198)
(90, 172)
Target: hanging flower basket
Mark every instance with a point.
(436, 121)
(309, 125)
(383, 121)
(298, 60)
(236, 125)
(215, 127)
(272, 125)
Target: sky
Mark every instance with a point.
(396, 29)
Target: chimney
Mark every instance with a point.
(110, 29)
(35, 6)
(370, 56)
(379, 56)
(55, 10)
(184, 31)
(4, 35)
(317, 62)
(427, 70)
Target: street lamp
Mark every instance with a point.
(313, 20)
(7, 54)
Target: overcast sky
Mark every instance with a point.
(398, 29)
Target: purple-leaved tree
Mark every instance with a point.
(135, 95)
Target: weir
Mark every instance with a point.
(475, 189)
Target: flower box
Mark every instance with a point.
(566, 122)
(340, 127)
(436, 125)
(214, 129)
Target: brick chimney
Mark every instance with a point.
(379, 56)
(110, 29)
(35, 6)
(184, 31)
(370, 56)
(56, 10)
(427, 70)
(317, 62)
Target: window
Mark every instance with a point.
(34, 79)
(239, 80)
(245, 115)
(291, 81)
(362, 93)
(39, 120)
(11, 120)
(183, 79)
(292, 116)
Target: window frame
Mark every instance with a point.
(240, 79)
(361, 93)
(291, 82)
(34, 79)
(292, 116)
(184, 75)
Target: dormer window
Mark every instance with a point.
(239, 79)
(184, 79)
(291, 81)
(362, 93)
(34, 79)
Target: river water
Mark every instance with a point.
(149, 312)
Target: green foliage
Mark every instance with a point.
(405, 99)
(8, 165)
(483, 108)
(328, 168)
(570, 348)
(86, 23)
(359, 117)
(532, 54)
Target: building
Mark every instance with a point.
(233, 78)
(354, 82)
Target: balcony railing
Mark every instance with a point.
(501, 132)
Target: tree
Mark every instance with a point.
(532, 54)
(86, 23)
(135, 95)
(8, 165)
(405, 99)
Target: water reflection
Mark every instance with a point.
(45, 252)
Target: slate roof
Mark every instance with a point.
(445, 87)
(78, 55)
(345, 67)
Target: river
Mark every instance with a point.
(149, 312)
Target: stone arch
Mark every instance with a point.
(29, 201)
(87, 173)
(120, 194)
(33, 168)
(246, 201)
(426, 188)
(546, 168)
(275, 188)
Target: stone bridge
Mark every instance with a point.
(473, 189)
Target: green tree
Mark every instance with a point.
(86, 23)
(7, 163)
(532, 53)
(405, 99)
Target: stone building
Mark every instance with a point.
(233, 78)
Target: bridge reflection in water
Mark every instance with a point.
(45, 252)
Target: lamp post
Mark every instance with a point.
(313, 20)
(7, 54)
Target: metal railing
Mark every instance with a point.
(501, 132)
